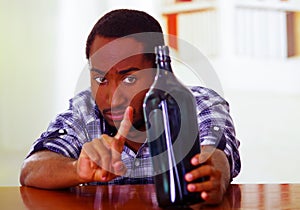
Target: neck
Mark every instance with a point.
(135, 140)
(134, 146)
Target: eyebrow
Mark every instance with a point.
(97, 70)
(125, 71)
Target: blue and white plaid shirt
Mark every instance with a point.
(83, 122)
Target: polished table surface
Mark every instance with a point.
(246, 196)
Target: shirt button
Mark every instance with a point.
(216, 128)
(137, 163)
(61, 131)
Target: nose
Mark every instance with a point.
(115, 95)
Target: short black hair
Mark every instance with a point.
(125, 22)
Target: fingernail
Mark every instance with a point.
(189, 177)
(195, 161)
(191, 187)
(104, 178)
(118, 167)
(204, 195)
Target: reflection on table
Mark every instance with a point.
(248, 196)
(109, 197)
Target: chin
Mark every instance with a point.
(114, 124)
(139, 125)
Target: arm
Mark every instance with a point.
(219, 159)
(213, 111)
(99, 160)
(49, 170)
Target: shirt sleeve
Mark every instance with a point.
(216, 126)
(65, 135)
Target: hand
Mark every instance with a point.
(214, 187)
(100, 159)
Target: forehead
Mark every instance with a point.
(107, 52)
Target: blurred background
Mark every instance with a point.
(253, 45)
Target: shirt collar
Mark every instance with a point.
(143, 151)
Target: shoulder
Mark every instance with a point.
(203, 91)
(83, 98)
(83, 106)
(207, 97)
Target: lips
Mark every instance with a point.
(114, 115)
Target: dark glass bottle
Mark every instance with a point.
(172, 131)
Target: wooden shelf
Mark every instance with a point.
(247, 70)
(182, 7)
(267, 4)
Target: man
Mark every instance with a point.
(101, 138)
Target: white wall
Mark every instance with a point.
(267, 124)
(28, 48)
(152, 7)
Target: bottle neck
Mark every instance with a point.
(163, 60)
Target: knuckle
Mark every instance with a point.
(218, 173)
(116, 154)
(201, 186)
(95, 140)
(85, 146)
(210, 170)
(105, 156)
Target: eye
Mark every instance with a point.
(130, 79)
(100, 80)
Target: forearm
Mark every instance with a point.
(49, 170)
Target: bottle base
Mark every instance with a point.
(180, 205)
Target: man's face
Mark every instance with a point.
(120, 76)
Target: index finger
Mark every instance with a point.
(119, 141)
(125, 124)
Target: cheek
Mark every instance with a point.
(99, 101)
(94, 92)
(138, 99)
(136, 93)
(141, 90)
(137, 104)
(98, 96)
(94, 87)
